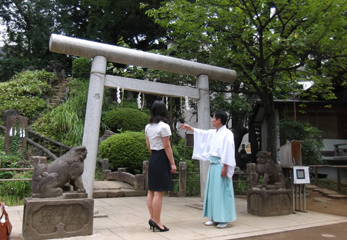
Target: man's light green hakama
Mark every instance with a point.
(219, 201)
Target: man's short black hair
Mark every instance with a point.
(222, 115)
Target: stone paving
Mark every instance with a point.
(127, 218)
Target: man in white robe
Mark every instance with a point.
(217, 146)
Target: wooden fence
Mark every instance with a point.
(43, 140)
(337, 167)
(140, 181)
(16, 169)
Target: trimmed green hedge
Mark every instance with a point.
(126, 119)
(127, 150)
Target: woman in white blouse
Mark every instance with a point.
(161, 163)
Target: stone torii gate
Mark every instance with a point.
(103, 53)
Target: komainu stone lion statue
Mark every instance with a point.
(49, 179)
(271, 172)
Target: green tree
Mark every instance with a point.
(271, 45)
(28, 27)
(110, 21)
(311, 137)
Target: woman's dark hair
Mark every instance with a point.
(220, 114)
(158, 112)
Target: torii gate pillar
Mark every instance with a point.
(203, 123)
(92, 120)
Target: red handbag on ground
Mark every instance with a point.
(5, 227)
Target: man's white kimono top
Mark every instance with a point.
(217, 144)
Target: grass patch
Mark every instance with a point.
(11, 200)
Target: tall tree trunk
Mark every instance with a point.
(254, 143)
(270, 118)
(271, 134)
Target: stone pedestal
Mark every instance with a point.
(48, 218)
(269, 202)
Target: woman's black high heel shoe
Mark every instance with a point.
(150, 222)
(154, 225)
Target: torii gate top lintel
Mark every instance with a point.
(116, 54)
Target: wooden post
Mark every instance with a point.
(182, 179)
(304, 209)
(235, 181)
(16, 127)
(338, 179)
(39, 160)
(43, 145)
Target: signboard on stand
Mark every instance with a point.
(301, 174)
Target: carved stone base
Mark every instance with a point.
(269, 187)
(269, 202)
(48, 218)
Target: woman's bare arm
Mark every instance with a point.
(169, 154)
(148, 145)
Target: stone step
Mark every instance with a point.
(320, 199)
(311, 187)
(118, 193)
(327, 192)
(56, 98)
(59, 91)
(60, 86)
(337, 196)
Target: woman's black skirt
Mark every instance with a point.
(159, 175)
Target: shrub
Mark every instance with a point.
(81, 67)
(180, 149)
(126, 119)
(21, 189)
(127, 150)
(65, 122)
(25, 92)
(13, 192)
